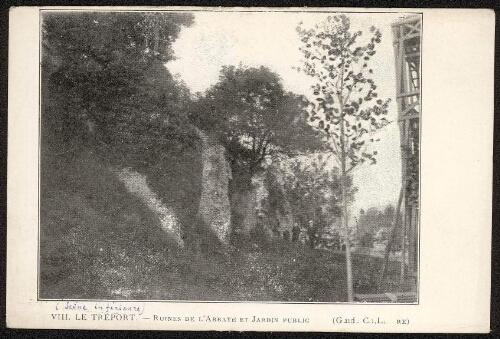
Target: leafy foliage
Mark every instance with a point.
(105, 76)
(346, 106)
(254, 117)
(315, 193)
(311, 186)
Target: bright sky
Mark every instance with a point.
(270, 39)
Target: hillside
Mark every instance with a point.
(99, 241)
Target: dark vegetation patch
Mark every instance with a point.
(98, 241)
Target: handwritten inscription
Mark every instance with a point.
(100, 307)
(96, 311)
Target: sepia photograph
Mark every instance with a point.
(250, 169)
(229, 156)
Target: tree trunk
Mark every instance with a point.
(350, 285)
(243, 210)
(242, 201)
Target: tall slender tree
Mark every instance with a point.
(345, 106)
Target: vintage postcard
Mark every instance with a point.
(260, 169)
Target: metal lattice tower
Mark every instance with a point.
(406, 39)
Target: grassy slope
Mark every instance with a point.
(98, 241)
(89, 225)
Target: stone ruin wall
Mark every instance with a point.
(215, 205)
(214, 208)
